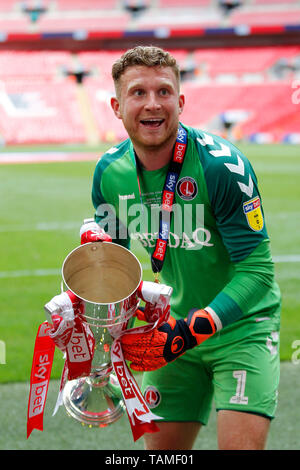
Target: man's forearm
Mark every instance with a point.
(252, 279)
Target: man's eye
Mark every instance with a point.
(138, 92)
(164, 91)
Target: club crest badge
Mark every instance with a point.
(253, 213)
(152, 397)
(187, 188)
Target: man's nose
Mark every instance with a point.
(152, 102)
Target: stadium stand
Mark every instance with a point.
(8, 6)
(61, 96)
(71, 5)
(261, 110)
(38, 103)
(38, 112)
(161, 16)
(266, 17)
(108, 22)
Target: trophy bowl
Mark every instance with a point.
(105, 276)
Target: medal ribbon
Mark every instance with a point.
(168, 196)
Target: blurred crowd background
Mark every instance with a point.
(239, 60)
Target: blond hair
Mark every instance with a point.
(148, 56)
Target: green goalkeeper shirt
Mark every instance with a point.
(218, 255)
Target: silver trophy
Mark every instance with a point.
(105, 276)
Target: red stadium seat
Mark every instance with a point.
(71, 5)
(267, 17)
(8, 6)
(115, 22)
(269, 107)
(179, 3)
(39, 112)
(239, 61)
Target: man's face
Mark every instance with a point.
(149, 104)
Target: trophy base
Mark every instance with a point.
(94, 403)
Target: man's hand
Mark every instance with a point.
(62, 309)
(157, 298)
(92, 232)
(154, 349)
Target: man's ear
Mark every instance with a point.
(115, 107)
(181, 103)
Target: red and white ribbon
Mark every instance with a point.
(40, 377)
(141, 419)
(79, 353)
(80, 350)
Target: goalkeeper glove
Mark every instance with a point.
(90, 231)
(154, 349)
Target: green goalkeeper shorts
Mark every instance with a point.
(238, 368)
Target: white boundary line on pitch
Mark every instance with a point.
(41, 226)
(70, 225)
(11, 158)
(56, 271)
(286, 259)
(40, 272)
(29, 273)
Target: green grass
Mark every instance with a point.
(278, 171)
(35, 196)
(57, 148)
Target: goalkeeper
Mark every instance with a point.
(210, 244)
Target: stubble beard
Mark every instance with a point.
(155, 148)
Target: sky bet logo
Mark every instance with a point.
(180, 145)
(164, 232)
(171, 182)
(182, 135)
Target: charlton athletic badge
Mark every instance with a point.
(152, 397)
(187, 188)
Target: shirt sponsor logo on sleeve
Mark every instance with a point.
(253, 213)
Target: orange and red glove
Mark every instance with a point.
(90, 231)
(154, 349)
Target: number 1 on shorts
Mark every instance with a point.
(239, 397)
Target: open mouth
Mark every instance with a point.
(152, 123)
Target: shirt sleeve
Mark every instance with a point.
(236, 204)
(252, 280)
(105, 213)
(234, 196)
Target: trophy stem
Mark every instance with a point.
(95, 401)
